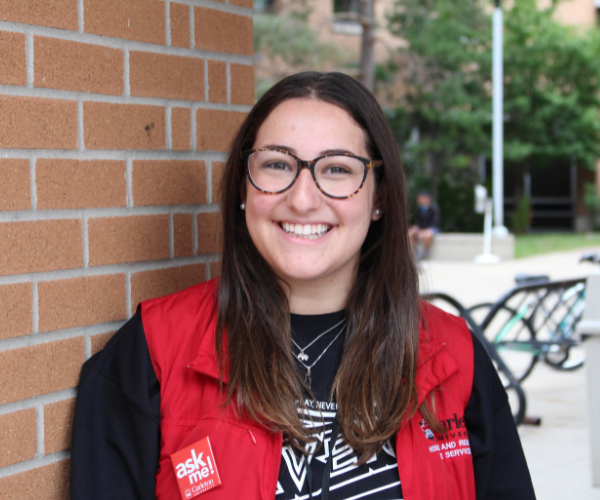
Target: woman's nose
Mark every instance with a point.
(304, 195)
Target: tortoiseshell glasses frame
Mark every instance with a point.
(310, 165)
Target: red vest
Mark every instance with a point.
(180, 330)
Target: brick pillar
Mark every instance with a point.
(114, 122)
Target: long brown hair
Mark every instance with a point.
(375, 384)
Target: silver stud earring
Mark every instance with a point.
(243, 206)
(377, 212)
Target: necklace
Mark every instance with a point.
(302, 356)
(307, 378)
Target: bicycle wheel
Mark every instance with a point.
(559, 315)
(513, 338)
(567, 353)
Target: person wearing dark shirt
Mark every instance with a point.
(310, 369)
(426, 224)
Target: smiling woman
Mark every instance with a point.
(311, 369)
(278, 222)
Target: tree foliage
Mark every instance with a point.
(285, 44)
(444, 98)
(440, 85)
(552, 106)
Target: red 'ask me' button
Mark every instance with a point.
(196, 469)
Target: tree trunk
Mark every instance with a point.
(367, 56)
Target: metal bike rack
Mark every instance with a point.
(541, 300)
(513, 382)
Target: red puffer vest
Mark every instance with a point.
(180, 331)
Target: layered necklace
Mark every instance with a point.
(302, 357)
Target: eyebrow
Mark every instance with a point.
(293, 151)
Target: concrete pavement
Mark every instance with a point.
(558, 452)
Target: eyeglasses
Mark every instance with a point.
(339, 175)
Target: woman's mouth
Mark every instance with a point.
(305, 231)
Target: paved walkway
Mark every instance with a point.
(558, 452)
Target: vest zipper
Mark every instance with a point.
(252, 436)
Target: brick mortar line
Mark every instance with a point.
(78, 213)
(80, 18)
(80, 141)
(84, 240)
(209, 193)
(35, 312)
(29, 59)
(128, 294)
(39, 421)
(167, 23)
(171, 236)
(126, 83)
(129, 183)
(228, 80)
(193, 132)
(233, 9)
(121, 43)
(34, 463)
(192, 28)
(107, 154)
(7, 345)
(194, 234)
(206, 84)
(43, 399)
(32, 182)
(169, 127)
(133, 267)
(44, 93)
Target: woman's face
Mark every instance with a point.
(308, 128)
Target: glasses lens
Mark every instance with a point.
(272, 171)
(339, 175)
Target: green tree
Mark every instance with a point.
(285, 44)
(551, 106)
(444, 97)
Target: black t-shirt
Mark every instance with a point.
(376, 479)
(116, 430)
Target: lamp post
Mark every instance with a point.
(498, 122)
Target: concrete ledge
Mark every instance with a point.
(465, 246)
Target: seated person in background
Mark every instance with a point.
(427, 221)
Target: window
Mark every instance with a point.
(346, 26)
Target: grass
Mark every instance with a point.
(535, 244)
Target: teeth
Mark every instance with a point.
(306, 231)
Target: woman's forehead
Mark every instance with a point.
(309, 126)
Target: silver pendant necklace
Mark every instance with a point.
(307, 378)
(302, 356)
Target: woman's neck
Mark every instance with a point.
(318, 297)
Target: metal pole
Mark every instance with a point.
(498, 123)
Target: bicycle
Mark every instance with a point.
(536, 320)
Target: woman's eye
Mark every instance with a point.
(276, 165)
(337, 169)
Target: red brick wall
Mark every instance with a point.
(115, 116)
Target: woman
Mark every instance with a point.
(311, 365)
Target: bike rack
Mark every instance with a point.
(547, 286)
(513, 382)
(542, 290)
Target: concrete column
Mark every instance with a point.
(589, 328)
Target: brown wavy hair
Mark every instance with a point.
(375, 384)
